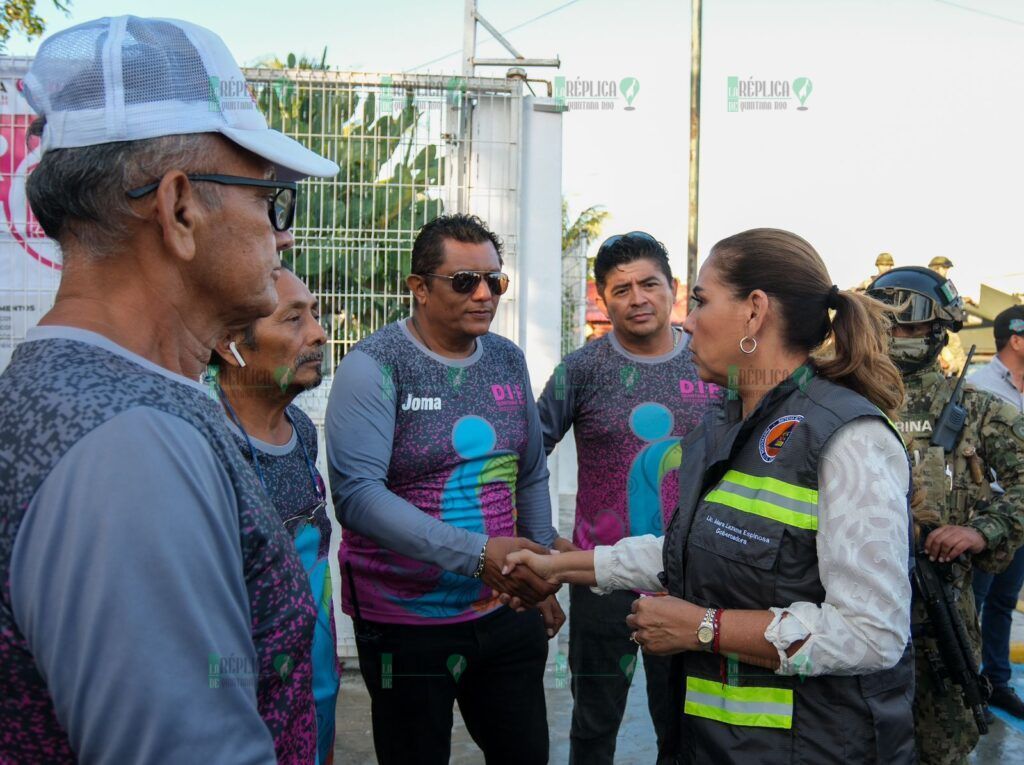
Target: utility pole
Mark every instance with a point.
(691, 236)
(468, 38)
(470, 18)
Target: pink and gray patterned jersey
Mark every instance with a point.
(152, 606)
(629, 414)
(428, 457)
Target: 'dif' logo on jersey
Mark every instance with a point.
(776, 435)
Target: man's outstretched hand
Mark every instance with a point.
(523, 587)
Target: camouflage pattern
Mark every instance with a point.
(956, 491)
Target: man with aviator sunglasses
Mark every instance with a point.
(257, 373)
(438, 471)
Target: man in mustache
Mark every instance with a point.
(257, 372)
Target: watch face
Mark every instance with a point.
(706, 635)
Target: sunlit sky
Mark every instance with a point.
(911, 142)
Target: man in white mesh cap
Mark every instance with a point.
(152, 607)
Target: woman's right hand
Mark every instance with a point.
(542, 565)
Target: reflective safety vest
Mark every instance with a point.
(744, 537)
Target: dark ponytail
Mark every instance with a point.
(852, 347)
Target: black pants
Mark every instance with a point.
(494, 668)
(601, 659)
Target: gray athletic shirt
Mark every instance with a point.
(418, 445)
(130, 682)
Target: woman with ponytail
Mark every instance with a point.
(786, 563)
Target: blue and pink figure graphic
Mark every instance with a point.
(325, 663)
(482, 471)
(653, 423)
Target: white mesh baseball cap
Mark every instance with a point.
(128, 78)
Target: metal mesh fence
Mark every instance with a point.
(410, 147)
(574, 296)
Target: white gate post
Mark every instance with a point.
(539, 265)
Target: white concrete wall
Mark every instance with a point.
(566, 457)
(540, 248)
(492, 182)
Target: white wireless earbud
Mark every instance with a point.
(234, 352)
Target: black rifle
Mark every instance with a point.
(951, 421)
(955, 656)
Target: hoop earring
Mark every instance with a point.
(751, 339)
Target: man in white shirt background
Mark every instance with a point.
(996, 595)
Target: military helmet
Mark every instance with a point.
(885, 259)
(921, 294)
(940, 262)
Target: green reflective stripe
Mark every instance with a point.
(753, 720)
(774, 485)
(769, 498)
(764, 509)
(740, 692)
(735, 705)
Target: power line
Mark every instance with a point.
(504, 32)
(982, 13)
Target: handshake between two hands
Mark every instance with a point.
(526, 575)
(519, 586)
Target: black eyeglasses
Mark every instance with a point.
(614, 240)
(281, 206)
(465, 282)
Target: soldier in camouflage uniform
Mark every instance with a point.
(952, 490)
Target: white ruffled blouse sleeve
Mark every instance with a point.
(862, 541)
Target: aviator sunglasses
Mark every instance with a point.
(614, 240)
(466, 282)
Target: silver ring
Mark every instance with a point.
(633, 637)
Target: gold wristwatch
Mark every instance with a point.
(706, 631)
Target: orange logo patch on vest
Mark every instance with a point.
(776, 435)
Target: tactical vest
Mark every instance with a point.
(951, 488)
(744, 537)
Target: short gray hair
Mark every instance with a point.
(80, 193)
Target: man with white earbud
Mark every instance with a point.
(283, 357)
